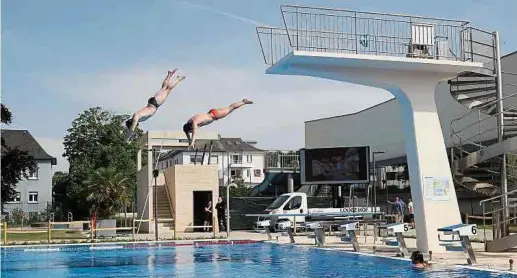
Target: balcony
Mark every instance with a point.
(239, 163)
(282, 161)
(340, 31)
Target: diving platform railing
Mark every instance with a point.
(283, 161)
(331, 30)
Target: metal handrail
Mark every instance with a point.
(498, 222)
(482, 106)
(497, 197)
(375, 13)
(457, 132)
(501, 209)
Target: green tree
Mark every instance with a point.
(16, 163)
(62, 189)
(96, 140)
(106, 189)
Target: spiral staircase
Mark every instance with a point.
(485, 139)
(476, 154)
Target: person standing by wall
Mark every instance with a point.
(208, 215)
(221, 207)
(411, 212)
(399, 207)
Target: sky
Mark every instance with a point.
(60, 57)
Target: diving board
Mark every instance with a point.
(265, 224)
(319, 232)
(350, 228)
(398, 229)
(284, 225)
(463, 232)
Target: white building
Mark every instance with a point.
(235, 159)
(34, 194)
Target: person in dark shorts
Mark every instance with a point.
(221, 217)
(411, 210)
(200, 120)
(154, 102)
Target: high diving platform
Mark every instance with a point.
(406, 55)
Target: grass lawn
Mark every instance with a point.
(43, 235)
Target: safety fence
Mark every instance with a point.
(103, 230)
(51, 232)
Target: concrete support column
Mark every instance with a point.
(290, 183)
(432, 186)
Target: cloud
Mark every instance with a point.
(54, 147)
(276, 120)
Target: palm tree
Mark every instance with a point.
(106, 188)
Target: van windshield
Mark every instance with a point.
(278, 202)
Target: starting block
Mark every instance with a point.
(398, 229)
(266, 224)
(462, 231)
(351, 228)
(287, 226)
(319, 232)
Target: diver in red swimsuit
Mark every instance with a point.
(200, 120)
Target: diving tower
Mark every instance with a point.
(405, 55)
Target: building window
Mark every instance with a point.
(176, 161)
(33, 175)
(249, 158)
(17, 198)
(214, 159)
(236, 173)
(33, 197)
(236, 159)
(248, 173)
(257, 173)
(196, 159)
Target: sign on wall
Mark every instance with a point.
(436, 188)
(335, 165)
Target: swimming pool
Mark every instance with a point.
(229, 260)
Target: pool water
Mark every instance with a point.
(239, 260)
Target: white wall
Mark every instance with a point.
(380, 126)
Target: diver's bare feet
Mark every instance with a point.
(177, 80)
(165, 82)
(171, 72)
(246, 101)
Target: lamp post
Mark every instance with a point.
(228, 207)
(155, 175)
(375, 179)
